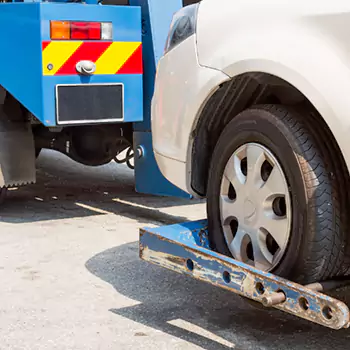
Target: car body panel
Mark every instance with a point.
(303, 43)
(177, 100)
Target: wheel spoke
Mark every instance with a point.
(233, 173)
(263, 259)
(238, 246)
(255, 159)
(278, 227)
(228, 208)
(274, 186)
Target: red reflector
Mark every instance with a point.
(85, 31)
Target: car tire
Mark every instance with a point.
(315, 225)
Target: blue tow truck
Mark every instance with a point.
(78, 79)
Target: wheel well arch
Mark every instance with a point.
(231, 98)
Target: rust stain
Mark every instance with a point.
(175, 259)
(243, 282)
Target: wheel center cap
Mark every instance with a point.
(249, 209)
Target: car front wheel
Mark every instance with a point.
(273, 201)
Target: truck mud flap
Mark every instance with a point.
(17, 154)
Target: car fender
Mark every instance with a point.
(314, 63)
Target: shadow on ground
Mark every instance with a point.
(65, 189)
(166, 297)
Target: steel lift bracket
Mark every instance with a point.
(184, 248)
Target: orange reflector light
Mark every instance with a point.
(60, 30)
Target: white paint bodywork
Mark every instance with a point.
(181, 90)
(306, 43)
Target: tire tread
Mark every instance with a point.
(331, 226)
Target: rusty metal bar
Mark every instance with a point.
(184, 248)
(324, 286)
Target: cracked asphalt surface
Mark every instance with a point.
(71, 277)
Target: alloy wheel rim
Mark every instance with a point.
(255, 207)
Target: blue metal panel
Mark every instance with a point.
(126, 27)
(20, 63)
(148, 177)
(132, 94)
(156, 19)
(23, 27)
(184, 248)
(126, 19)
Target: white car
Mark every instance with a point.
(251, 110)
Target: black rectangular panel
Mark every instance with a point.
(78, 104)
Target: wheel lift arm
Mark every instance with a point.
(184, 248)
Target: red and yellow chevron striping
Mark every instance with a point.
(61, 57)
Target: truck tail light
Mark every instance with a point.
(85, 31)
(68, 30)
(106, 31)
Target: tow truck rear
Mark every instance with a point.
(72, 80)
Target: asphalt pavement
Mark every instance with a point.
(71, 278)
